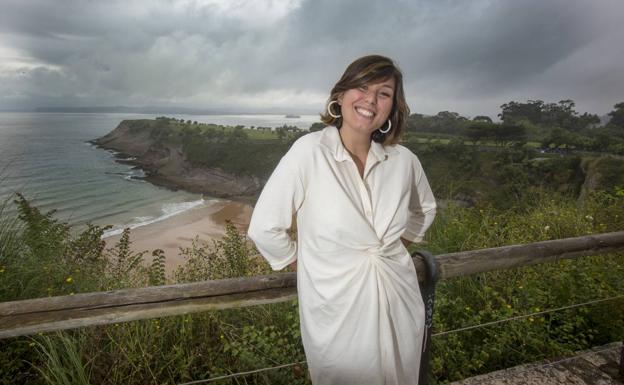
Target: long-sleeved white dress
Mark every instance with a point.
(361, 311)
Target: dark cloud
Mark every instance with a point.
(464, 56)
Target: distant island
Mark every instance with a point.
(292, 116)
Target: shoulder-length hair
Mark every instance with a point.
(366, 70)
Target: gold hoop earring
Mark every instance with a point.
(329, 111)
(387, 129)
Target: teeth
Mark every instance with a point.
(364, 112)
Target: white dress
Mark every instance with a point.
(362, 314)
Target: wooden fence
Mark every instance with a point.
(25, 317)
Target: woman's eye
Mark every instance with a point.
(385, 94)
(364, 87)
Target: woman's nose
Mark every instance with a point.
(371, 97)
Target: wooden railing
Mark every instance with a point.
(25, 317)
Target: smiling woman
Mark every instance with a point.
(358, 198)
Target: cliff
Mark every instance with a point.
(158, 147)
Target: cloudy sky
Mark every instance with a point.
(464, 56)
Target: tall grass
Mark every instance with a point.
(62, 360)
(11, 248)
(14, 354)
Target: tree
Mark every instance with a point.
(601, 141)
(281, 133)
(617, 115)
(589, 120)
(446, 122)
(506, 133)
(482, 118)
(557, 137)
(316, 126)
(478, 130)
(514, 111)
(237, 136)
(544, 116)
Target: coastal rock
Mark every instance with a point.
(165, 163)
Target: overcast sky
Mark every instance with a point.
(464, 56)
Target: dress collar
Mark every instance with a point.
(330, 138)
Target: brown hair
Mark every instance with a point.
(365, 70)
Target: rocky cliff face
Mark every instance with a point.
(602, 173)
(166, 165)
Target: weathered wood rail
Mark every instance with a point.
(25, 317)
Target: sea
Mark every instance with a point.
(47, 158)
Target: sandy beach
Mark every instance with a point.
(206, 222)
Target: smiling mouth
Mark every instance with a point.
(364, 112)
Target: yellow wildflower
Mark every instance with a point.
(69, 280)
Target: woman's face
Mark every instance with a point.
(367, 108)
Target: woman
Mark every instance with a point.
(359, 198)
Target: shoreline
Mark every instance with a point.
(165, 166)
(178, 231)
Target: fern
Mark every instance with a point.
(157, 268)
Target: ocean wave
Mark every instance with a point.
(134, 174)
(168, 210)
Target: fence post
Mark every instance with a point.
(427, 290)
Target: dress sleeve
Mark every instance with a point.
(422, 205)
(272, 217)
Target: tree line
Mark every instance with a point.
(553, 125)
